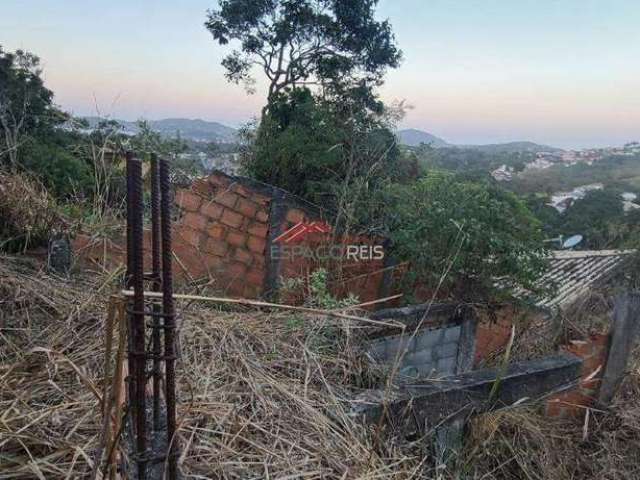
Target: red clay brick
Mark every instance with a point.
(201, 187)
(237, 239)
(600, 339)
(188, 200)
(246, 207)
(190, 236)
(553, 408)
(576, 397)
(231, 218)
(251, 291)
(217, 247)
(590, 385)
(295, 215)
(240, 190)
(234, 288)
(235, 270)
(243, 256)
(258, 229)
(256, 244)
(260, 199)
(218, 180)
(211, 210)
(590, 364)
(215, 231)
(212, 262)
(255, 277)
(195, 221)
(262, 216)
(226, 198)
(189, 259)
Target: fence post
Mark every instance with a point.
(626, 320)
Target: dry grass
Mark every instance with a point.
(520, 443)
(49, 358)
(261, 395)
(25, 224)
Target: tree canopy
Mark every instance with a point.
(463, 236)
(25, 103)
(331, 43)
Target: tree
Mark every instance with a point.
(464, 237)
(308, 146)
(336, 44)
(25, 103)
(599, 217)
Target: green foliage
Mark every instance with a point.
(470, 161)
(319, 295)
(148, 140)
(316, 291)
(621, 171)
(26, 108)
(28, 214)
(309, 147)
(65, 175)
(295, 42)
(600, 218)
(462, 236)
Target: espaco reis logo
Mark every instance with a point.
(300, 230)
(290, 245)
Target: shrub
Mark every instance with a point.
(28, 214)
(463, 236)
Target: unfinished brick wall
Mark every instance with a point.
(224, 229)
(493, 332)
(574, 402)
(220, 235)
(359, 277)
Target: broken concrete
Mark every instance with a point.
(426, 404)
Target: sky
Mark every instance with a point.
(559, 72)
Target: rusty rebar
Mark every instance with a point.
(169, 317)
(128, 281)
(155, 267)
(138, 316)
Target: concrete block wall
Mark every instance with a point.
(432, 352)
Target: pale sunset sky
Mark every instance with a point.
(560, 72)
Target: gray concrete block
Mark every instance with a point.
(427, 370)
(452, 334)
(427, 339)
(446, 366)
(446, 350)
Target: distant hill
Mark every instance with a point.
(195, 130)
(511, 147)
(412, 138)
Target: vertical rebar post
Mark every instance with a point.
(138, 315)
(169, 316)
(155, 267)
(128, 281)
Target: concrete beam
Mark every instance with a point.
(426, 404)
(626, 323)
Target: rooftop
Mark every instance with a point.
(575, 272)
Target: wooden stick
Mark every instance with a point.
(118, 392)
(258, 303)
(367, 304)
